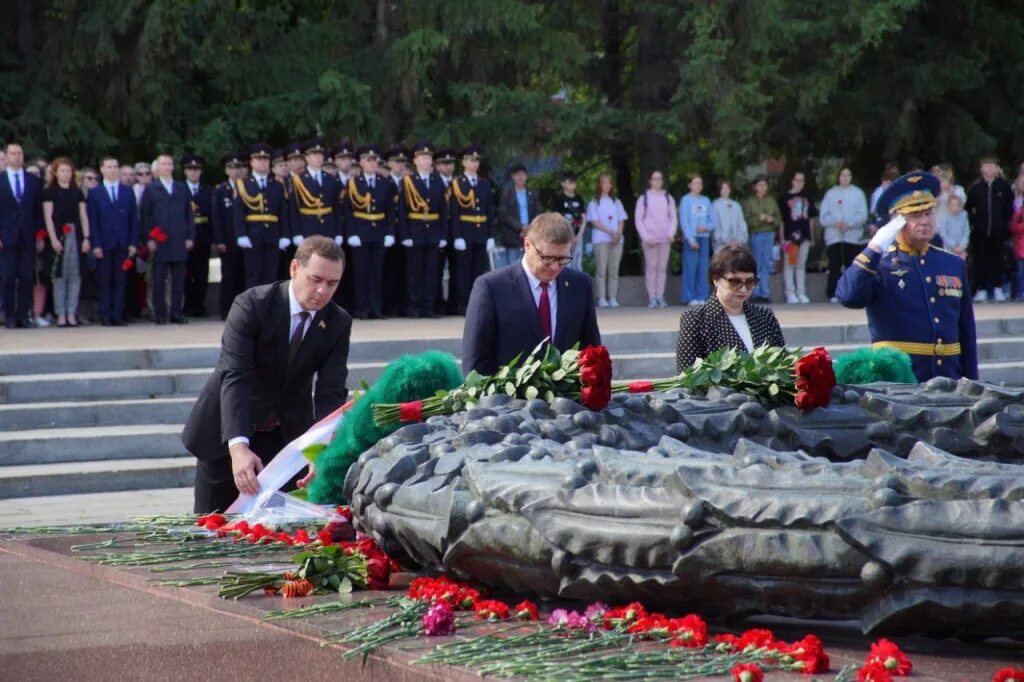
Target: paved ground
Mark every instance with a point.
(64, 510)
(204, 332)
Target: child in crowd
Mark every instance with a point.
(953, 226)
(570, 205)
(1017, 230)
(730, 225)
(655, 219)
(698, 222)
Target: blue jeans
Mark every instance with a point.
(761, 245)
(695, 271)
(507, 256)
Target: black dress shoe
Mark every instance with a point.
(435, 316)
(107, 323)
(159, 320)
(24, 324)
(178, 319)
(117, 323)
(414, 314)
(11, 324)
(362, 316)
(378, 316)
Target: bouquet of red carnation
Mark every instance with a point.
(773, 375)
(158, 235)
(127, 264)
(584, 375)
(815, 380)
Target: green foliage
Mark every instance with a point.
(408, 378)
(867, 365)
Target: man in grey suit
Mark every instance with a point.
(168, 227)
(513, 309)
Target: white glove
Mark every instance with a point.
(389, 241)
(283, 243)
(339, 240)
(354, 241)
(297, 240)
(490, 245)
(407, 243)
(443, 243)
(244, 242)
(887, 234)
(460, 244)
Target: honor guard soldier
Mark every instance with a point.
(471, 212)
(222, 214)
(295, 156)
(197, 269)
(444, 164)
(344, 157)
(395, 302)
(314, 197)
(279, 165)
(422, 229)
(369, 231)
(260, 218)
(915, 293)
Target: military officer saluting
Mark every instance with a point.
(222, 220)
(259, 217)
(197, 268)
(916, 294)
(471, 215)
(422, 229)
(314, 197)
(369, 230)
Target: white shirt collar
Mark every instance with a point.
(534, 282)
(257, 177)
(111, 185)
(168, 184)
(425, 178)
(11, 172)
(294, 307)
(193, 186)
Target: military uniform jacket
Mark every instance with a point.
(369, 213)
(471, 210)
(202, 208)
(222, 215)
(260, 214)
(422, 211)
(918, 303)
(313, 206)
(172, 213)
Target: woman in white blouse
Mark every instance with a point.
(608, 218)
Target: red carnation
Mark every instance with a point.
(67, 228)
(526, 610)
(690, 631)
(815, 380)
(158, 235)
(595, 376)
(747, 672)
(127, 264)
(873, 672)
(378, 572)
(491, 609)
(889, 656)
(1009, 675)
(809, 652)
(755, 639)
(41, 235)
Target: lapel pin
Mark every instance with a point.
(323, 325)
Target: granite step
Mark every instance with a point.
(34, 480)
(91, 444)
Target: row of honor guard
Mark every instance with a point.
(424, 218)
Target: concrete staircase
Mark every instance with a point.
(98, 421)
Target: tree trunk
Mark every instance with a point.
(653, 85)
(27, 32)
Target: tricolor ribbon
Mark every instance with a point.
(641, 387)
(411, 412)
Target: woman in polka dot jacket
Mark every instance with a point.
(728, 318)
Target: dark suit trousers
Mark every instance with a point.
(471, 264)
(368, 267)
(421, 266)
(215, 488)
(113, 283)
(446, 304)
(345, 296)
(395, 300)
(177, 271)
(197, 279)
(232, 279)
(261, 264)
(17, 273)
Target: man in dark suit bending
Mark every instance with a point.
(261, 394)
(513, 309)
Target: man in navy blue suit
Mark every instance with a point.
(114, 220)
(21, 217)
(513, 309)
(168, 223)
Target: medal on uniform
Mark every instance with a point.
(901, 284)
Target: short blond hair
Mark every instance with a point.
(550, 227)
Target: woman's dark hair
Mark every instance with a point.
(731, 259)
(723, 181)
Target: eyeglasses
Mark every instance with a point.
(735, 283)
(91, 178)
(143, 173)
(552, 260)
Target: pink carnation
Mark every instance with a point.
(439, 620)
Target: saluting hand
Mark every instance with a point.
(245, 464)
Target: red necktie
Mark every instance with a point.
(544, 310)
